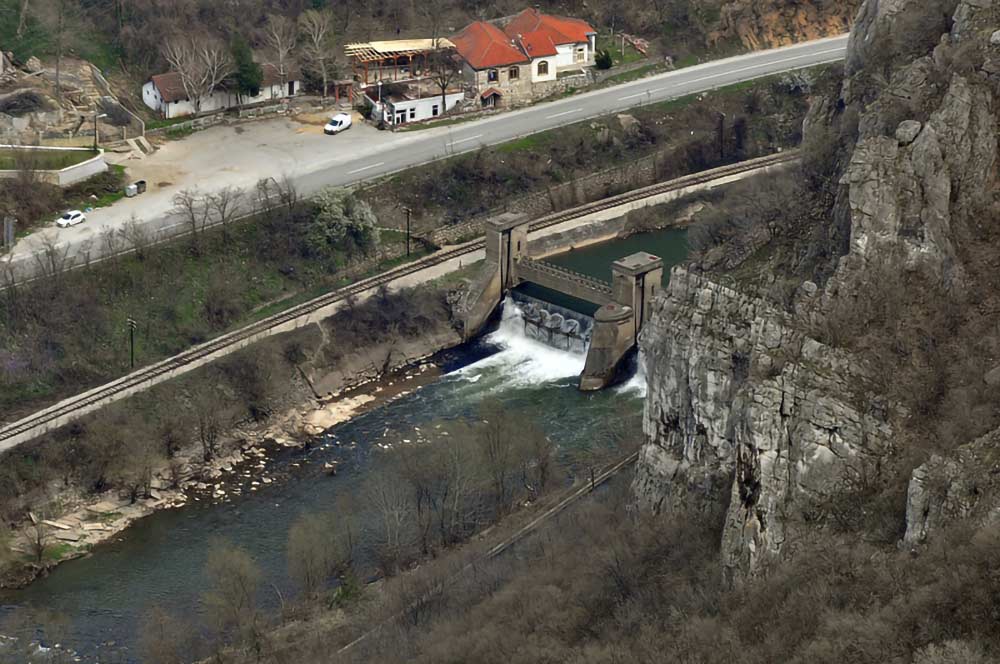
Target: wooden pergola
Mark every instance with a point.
(392, 60)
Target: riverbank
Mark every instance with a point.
(323, 392)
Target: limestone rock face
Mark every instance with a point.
(742, 406)
(744, 409)
(762, 24)
(963, 485)
(925, 158)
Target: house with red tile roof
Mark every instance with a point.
(516, 61)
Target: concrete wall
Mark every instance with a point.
(67, 176)
(80, 172)
(421, 109)
(582, 191)
(566, 58)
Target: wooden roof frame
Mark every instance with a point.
(367, 52)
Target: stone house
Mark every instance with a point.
(524, 59)
(164, 93)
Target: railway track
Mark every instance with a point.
(13, 434)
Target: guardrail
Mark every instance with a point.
(77, 406)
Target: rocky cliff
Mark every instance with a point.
(759, 24)
(961, 486)
(746, 408)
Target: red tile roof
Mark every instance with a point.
(537, 44)
(560, 29)
(489, 92)
(483, 45)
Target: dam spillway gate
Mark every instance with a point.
(624, 305)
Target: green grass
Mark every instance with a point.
(43, 160)
(688, 60)
(57, 552)
(614, 47)
(178, 133)
(634, 75)
(108, 188)
(160, 124)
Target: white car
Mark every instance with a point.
(71, 218)
(338, 123)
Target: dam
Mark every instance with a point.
(624, 305)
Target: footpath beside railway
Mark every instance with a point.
(448, 259)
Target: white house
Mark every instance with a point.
(570, 41)
(411, 101)
(164, 93)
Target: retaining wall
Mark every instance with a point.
(66, 176)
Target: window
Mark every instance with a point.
(435, 110)
(413, 113)
(581, 54)
(492, 76)
(514, 73)
(543, 68)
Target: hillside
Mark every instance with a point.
(129, 36)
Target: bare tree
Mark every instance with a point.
(390, 498)
(316, 27)
(498, 442)
(134, 233)
(314, 553)
(201, 64)
(164, 639)
(191, 206)
(22, 18)
(234, 580)
(53, 259)
(444, 70)
(225, 205)
(38, 538)
(208, 422)
(281, 34)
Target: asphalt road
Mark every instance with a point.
(364, 154)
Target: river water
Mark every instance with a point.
(159, 561)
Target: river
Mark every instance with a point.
(159, 561)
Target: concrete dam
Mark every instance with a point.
(624, 305)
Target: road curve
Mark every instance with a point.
(407, 149)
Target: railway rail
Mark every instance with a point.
(69, 409)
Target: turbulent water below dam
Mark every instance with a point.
(100, 600)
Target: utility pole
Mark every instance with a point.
(722, 136)
(408, 211)
(131, 340)
(8, 231)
